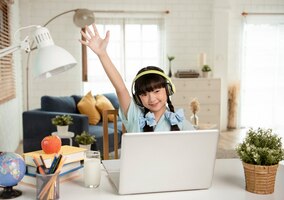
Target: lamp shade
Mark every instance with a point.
(50, 59)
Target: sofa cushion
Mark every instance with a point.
(58, 104)
(87, 106)
(113, 99)
(102, 103)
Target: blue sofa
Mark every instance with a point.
(37, 123)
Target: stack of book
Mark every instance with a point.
(74, 161)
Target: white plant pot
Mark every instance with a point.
(62, 129)
(87, 146)
(205, 74)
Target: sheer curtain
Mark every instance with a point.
(262, 89)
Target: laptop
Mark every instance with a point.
(164, 161)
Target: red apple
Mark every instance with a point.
(51, 144)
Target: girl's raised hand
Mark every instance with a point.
(94, 41)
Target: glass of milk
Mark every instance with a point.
(92, 169)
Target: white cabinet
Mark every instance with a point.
(208, 93)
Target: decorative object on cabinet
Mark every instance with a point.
(194, 106)
(170, 58)
(208, 93)
(205, 71)
(260, 152)
(187, 74)
(233, 93)
(202, 59)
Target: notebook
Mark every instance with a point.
(164, 161)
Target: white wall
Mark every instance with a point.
(192, 27)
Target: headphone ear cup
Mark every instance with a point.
(169, 89)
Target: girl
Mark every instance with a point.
(150, 109)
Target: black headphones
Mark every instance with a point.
(170, 86)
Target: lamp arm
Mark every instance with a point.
(53, 18)
(24, 45)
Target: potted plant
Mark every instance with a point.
(260, 152)
(205, 70)
(85, 140)
(62, 122)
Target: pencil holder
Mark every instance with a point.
(47, 186)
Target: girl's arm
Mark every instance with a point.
(98, 46)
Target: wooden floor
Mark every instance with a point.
(226, 147)
(231, 138)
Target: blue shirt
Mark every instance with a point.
(134, 114)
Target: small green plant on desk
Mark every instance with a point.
(85, 138)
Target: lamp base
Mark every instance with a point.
(9, 193)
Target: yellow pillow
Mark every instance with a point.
(87, 106)
(102, 103)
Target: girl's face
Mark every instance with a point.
(155, 100)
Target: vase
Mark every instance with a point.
(260, 179)
(194, 119)
(62, 129)
(170, 70)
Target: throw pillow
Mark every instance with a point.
(113, 99)
(87, 106)
(102, 103)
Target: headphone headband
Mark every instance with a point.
(154, 72)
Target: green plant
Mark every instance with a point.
(62, 120)
(261, 147)
(206, 68)
(85, 138)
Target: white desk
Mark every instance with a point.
(228, 184)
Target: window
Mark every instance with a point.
(133, 44)
(263, 83)
(7, 78)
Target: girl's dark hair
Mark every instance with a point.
(148, 83)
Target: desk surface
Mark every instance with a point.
(228, 183)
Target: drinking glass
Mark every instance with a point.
(92, 169)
